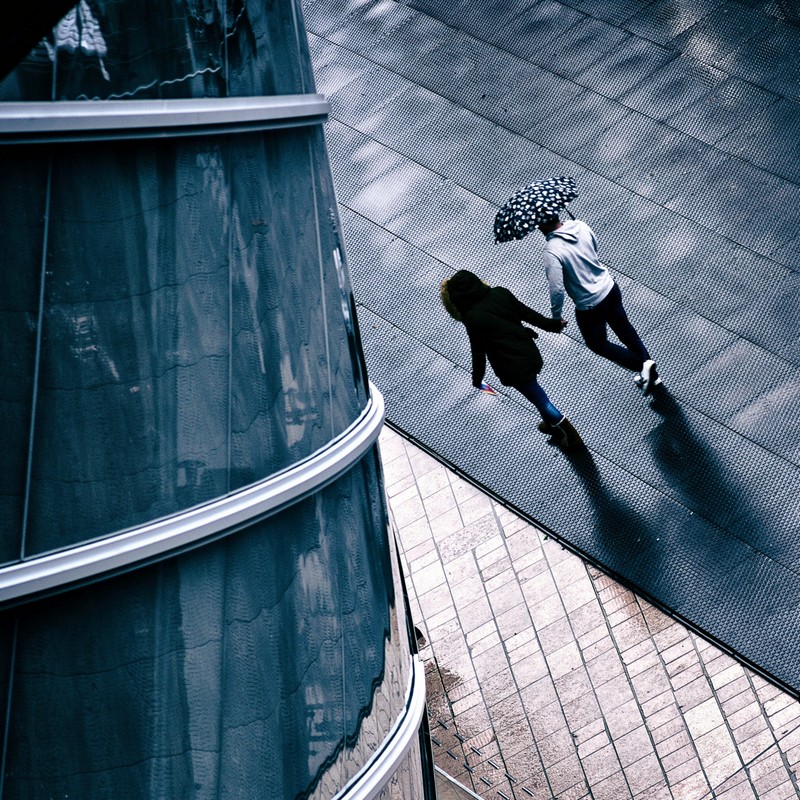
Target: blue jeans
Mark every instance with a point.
(534, 392)
(609, 312)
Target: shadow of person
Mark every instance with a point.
(695, 474)
(747, 502)
(739, 548)
(621, 532)
(643, 535)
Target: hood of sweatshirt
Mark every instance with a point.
(566, 232)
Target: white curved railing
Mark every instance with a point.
(197, 525)
(79, 120)
(379, 770)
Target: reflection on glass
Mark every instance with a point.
(343, 327)
(193, 339)
(256, 666)
(177, 322)
(79, 32)
(406, 781)
(111, 49)
(22, 207)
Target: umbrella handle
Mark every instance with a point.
(571, 215)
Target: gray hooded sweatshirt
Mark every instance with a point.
(572, 265)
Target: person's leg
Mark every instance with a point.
(534, 392)
(592, 325)
(553, 423)
(619, 323)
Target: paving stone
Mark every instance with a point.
(736, 788)
(566, 774)
(512, 621)
(644, 664)
(694, 785)
(595, 742)
(601, 764)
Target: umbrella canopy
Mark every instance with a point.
(531, 206)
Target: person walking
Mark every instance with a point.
(493, 317)
(572, 266)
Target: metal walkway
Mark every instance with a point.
(680, 126)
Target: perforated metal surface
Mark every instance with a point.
(681, 132)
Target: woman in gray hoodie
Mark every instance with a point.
(572, 266)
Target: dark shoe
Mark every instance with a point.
(557, 436)
(546, 428)
(570, 438)
(649, 376)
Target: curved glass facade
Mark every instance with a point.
(166, 49)
(178, 329)
(257, 666)
(183, 317)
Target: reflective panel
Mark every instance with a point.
(268, 664)
(22, 209)
(407, 780)
(193, 339)
(345, 340)
(111, 49)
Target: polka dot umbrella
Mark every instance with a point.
(531, 206)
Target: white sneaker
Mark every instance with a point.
(638, 379)
(649, 376)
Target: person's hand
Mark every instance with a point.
(563, 323)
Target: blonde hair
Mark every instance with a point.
(447, 302)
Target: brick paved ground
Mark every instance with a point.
(547, 679)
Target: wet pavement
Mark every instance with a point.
(548, 679)
(679, 121)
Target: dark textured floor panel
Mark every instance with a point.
(724, 109)
(764, 134)
(698, 535)
(769, 59)
(669, 246)
(679, 122)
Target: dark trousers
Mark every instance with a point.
(609, 313)
(532, 389)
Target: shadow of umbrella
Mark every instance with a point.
(746, 507)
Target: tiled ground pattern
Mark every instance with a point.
(547, 679)
(448, 788)
(680, 121)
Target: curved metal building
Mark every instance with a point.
(199, 592)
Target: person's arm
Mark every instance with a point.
(555, 282)
(527, 314)
(478, 357)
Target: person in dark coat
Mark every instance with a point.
(493, 317)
